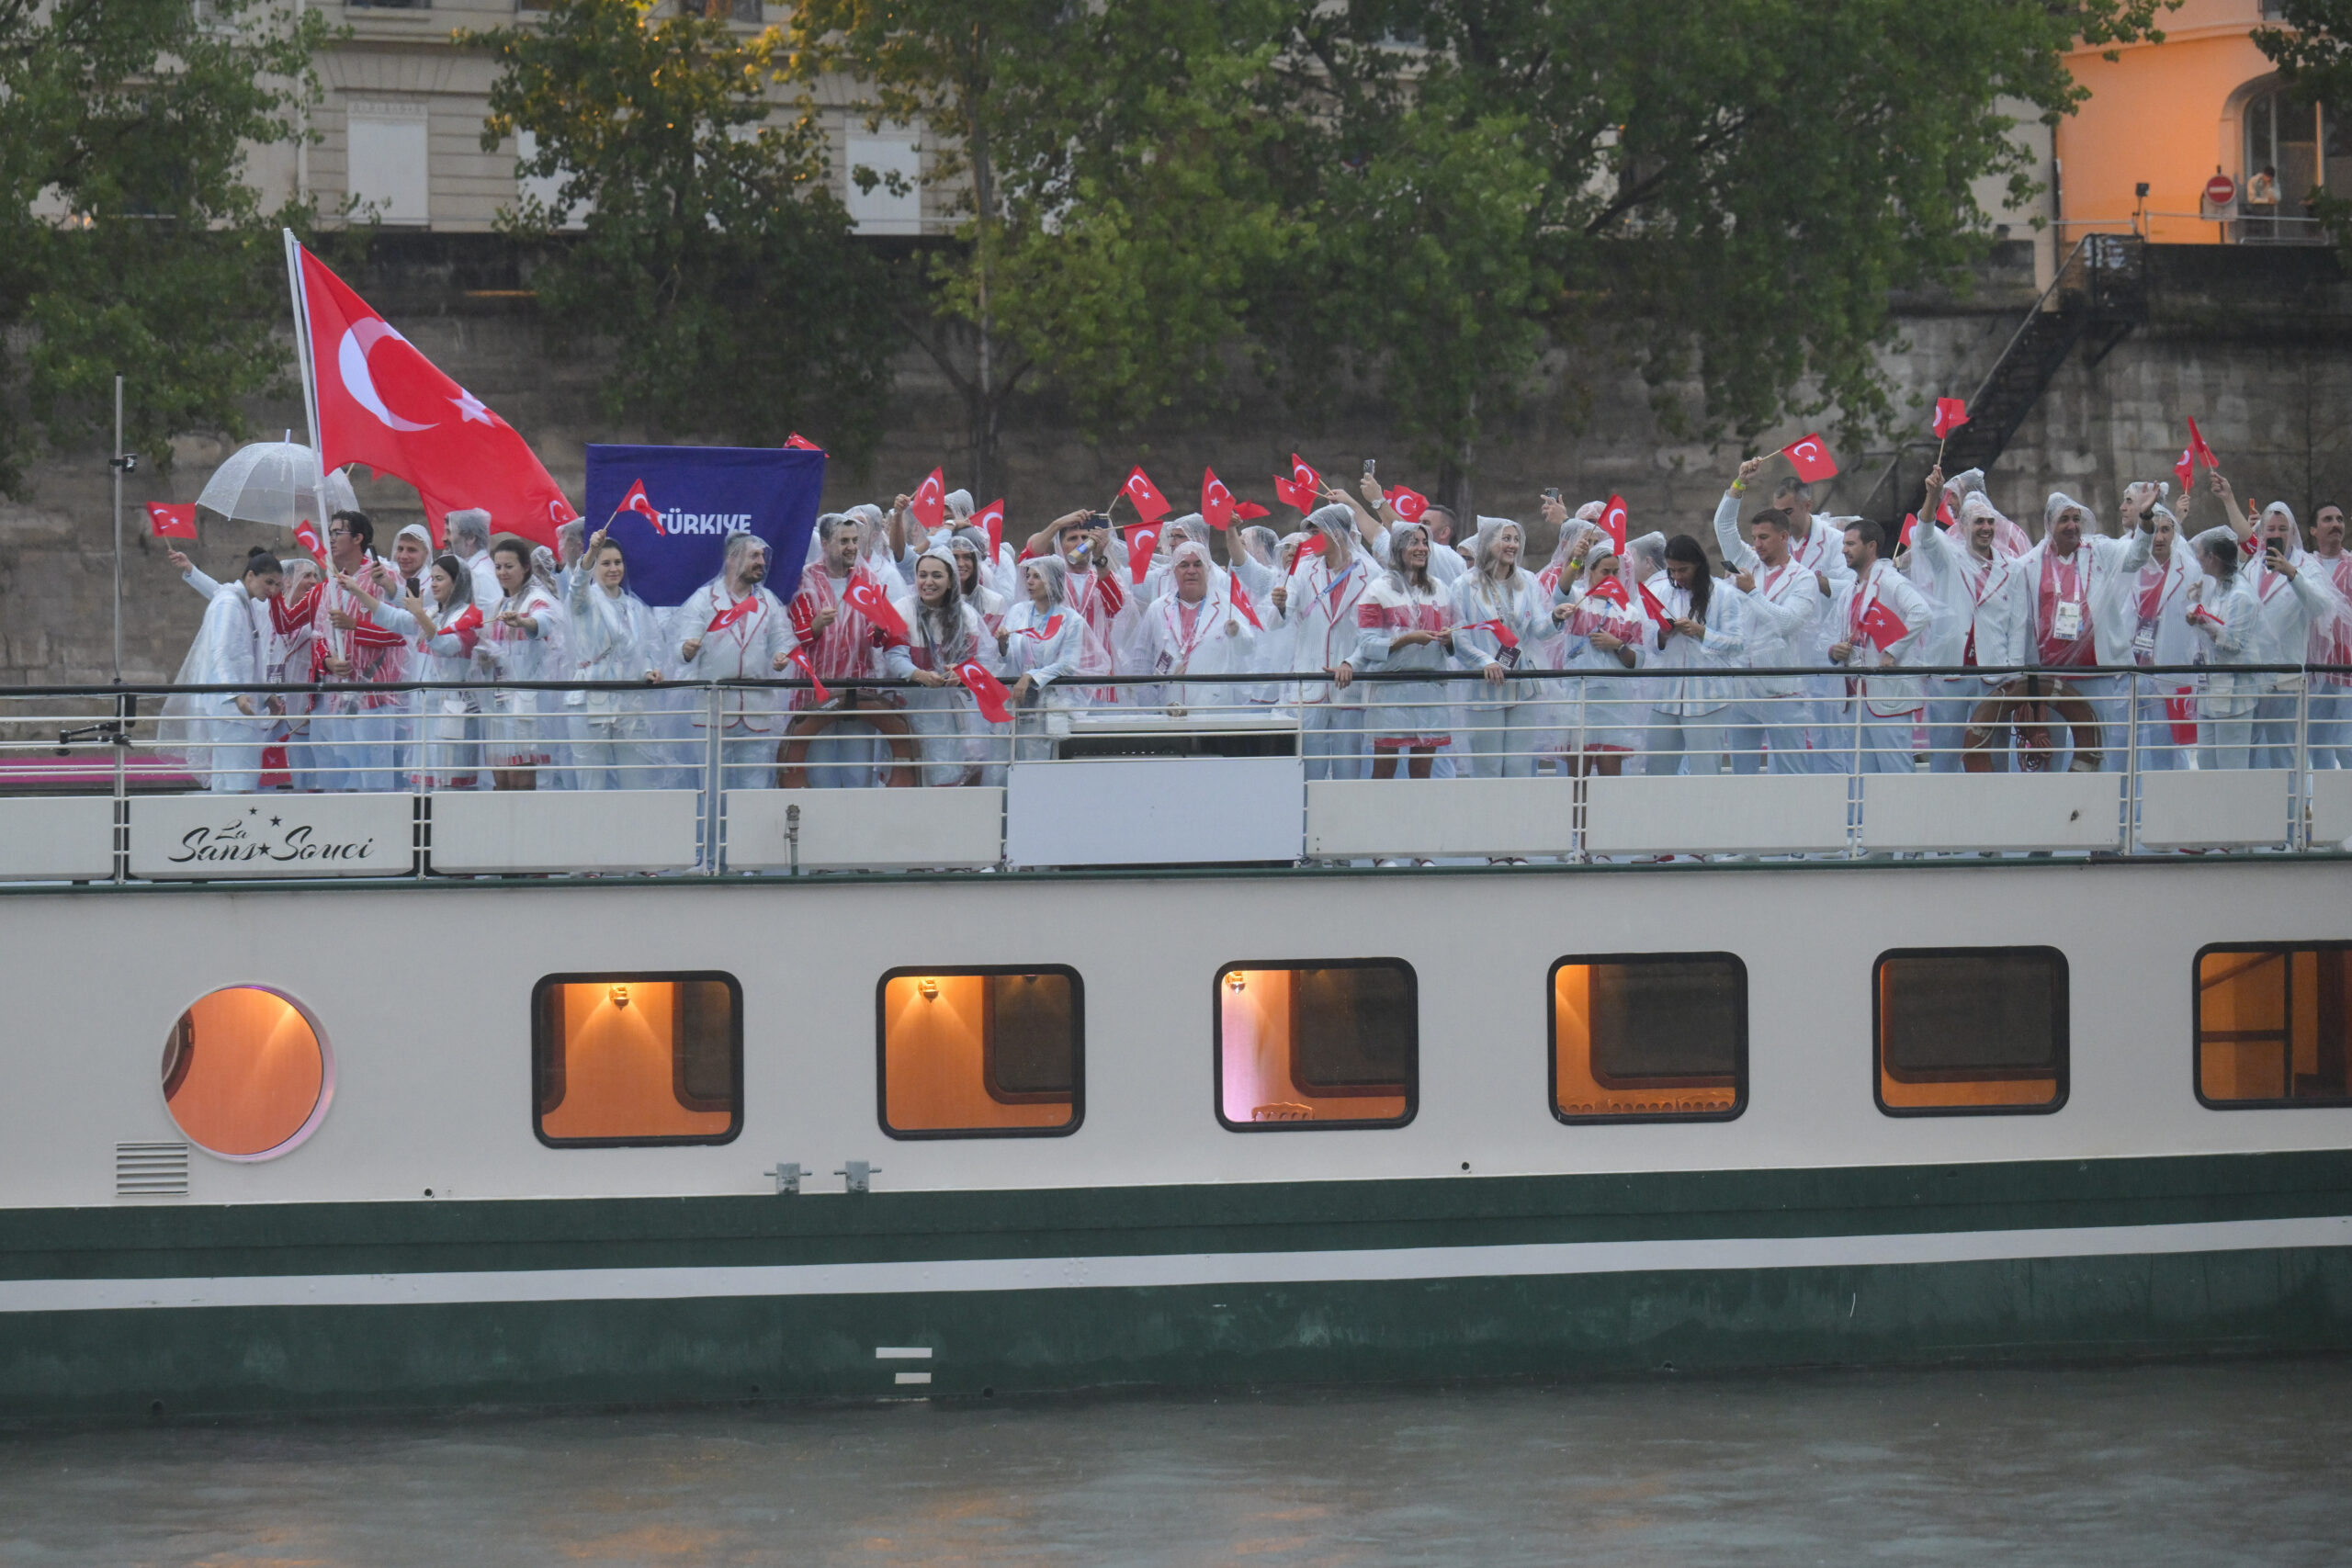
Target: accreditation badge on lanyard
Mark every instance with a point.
(2067, 613)
(2066, 623)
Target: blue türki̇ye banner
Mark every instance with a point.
(672, 507)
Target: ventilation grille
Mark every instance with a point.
(150, 1170)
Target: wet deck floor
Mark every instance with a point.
(2209, 1464)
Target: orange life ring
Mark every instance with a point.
(2029, 705)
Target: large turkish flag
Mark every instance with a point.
(384, 404)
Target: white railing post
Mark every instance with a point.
(2131, 762)
(2298, 825)
(714, 791)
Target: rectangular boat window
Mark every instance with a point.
(1649, 1037)
(2272, 1025)
(1305, 1045)
(637, 1059)
(1963, 1031)
(980, 1052)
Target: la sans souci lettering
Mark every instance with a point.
(705, 522)
(233, 844)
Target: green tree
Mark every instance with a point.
(1106, 167)
(712, 261)
(1729, 189)
(128, 241)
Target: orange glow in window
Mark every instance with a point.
(242, 1071)
(640, 1060)
(949, 1061)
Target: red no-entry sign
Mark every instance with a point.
(2221, 190)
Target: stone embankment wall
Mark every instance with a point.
(2249, 342)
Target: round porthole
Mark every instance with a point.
(246, 1073)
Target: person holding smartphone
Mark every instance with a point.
(2294, 602)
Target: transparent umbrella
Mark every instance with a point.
(277, 481)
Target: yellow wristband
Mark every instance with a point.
(1739, 487)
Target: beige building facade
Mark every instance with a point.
(399, 128)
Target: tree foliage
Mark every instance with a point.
(1426, 195)
(1108, 170)
(712, 259)
(1725, 191)
(128, 241)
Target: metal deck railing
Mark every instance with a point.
(1572, 766)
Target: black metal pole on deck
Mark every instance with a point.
(117, 463)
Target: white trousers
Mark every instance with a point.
(1768, 734)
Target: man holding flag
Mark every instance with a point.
(731, 629)
(1816, 556)
(843, 620)
(1880, 621)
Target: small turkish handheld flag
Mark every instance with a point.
(798, 442)
(1614, 520)
(1151, 505)
(929, 503)
(874, 605)
(382, 403)
(636, 500)
(732, 614)
(1503, 634)
(306, 534)
(1143, 541)
(1882, 625)
(1613, 591)
(1249, 511)
(171, 522)
(1217, 501)
(2197, 444)
(1304, 489)
(1651, 606)
(1910, 522)
(1950, 414)
(1811, 458)
(801, 656)
(2184, 469)
(991, 695)
(991, 518)
(1409, 503)
(1238, 597)
(1943, 514)
(2180, 713)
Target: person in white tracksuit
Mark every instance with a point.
(1780, 607)
(222, 732)
(1881, 621)
(1193, 629)
(614, 635)
(2226, 620)
(944, 631)
(1318, 604)
(1404, 623)
(1507, 716)
(1043, 643)
(1959, 574)
(1701, 631)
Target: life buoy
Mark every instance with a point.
(2029, 704)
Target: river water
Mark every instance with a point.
(2242, 1462)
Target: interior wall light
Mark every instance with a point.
(618, 996)
(929, 988)
(1236, 981)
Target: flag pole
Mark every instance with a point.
(117, 464)
(305, 360)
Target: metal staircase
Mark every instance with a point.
(2099, 295)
